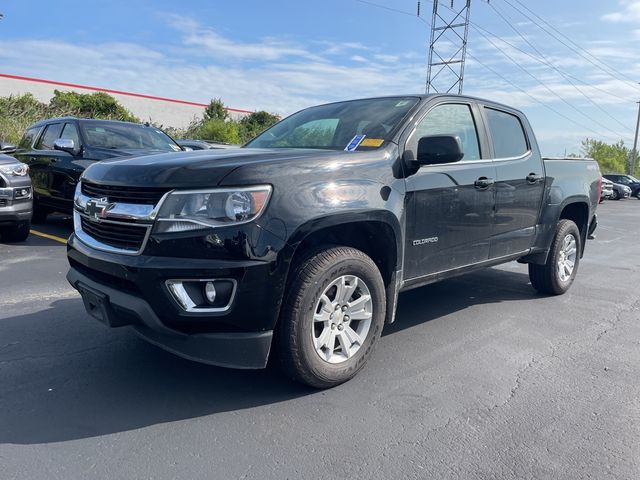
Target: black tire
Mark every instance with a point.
(546, 278)
(17, 233)
(615, 195)
(39, 213)
(308, 281)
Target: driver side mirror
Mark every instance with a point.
(437, 149)
(7, 148)
(65, 145)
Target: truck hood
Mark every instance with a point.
(6, 159)
(101, 153)
(197, 169)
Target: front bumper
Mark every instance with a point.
(14, 210)
(125, 290)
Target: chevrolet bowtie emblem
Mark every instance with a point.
(97, 208)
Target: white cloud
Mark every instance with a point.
(629, 12)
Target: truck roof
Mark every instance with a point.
(424, 96)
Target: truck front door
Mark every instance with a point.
(449, 206)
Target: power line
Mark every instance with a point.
(515, 47)
(547, 106)
(598, 63)
(545, 60)
(546, 87)
(498, 74)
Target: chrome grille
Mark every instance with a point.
(135, 195)
(129, 237)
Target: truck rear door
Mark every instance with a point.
(519, 181)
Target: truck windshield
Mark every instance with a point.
(358, 124)
(126, 136)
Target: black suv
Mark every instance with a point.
(627, 180)
(58, 150)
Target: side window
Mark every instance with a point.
(51, 134)
(70, 131)
(507, 133)
(28, 138)
(451, 119)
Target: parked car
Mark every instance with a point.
(313, 228)
(627, 180)
(606, 191)
(15, 199)
(204, 144)
(59, 149)
(619, 191)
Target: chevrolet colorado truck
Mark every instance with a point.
(15, 200)
(299, 243)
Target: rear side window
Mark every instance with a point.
(51, 134)
(509, 139)
(28, 138)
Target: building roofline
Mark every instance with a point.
(115, 92)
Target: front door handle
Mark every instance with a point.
(483, 182)
(533, 178)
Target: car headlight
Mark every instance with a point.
(15, 169)
(184, 210)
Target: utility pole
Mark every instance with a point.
(634, 150)
(445, 70)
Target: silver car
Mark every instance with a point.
(16, 202)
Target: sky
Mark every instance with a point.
(284, 55)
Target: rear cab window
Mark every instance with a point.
(507, 133)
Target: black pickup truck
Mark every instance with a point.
(58, 150)
(301, 241)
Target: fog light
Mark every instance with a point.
(210, 292)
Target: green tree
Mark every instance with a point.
(94, 105)
(215, 110)
(612, 158)
(256, 123)
(219, 131)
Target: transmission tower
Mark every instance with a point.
(445, 72)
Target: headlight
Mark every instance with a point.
(197, 209)
(15, 169)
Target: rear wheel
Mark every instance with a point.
(556, 276)
(332, 317)
(18, 233)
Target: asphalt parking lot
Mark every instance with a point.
(479, 378)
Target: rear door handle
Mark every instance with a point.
(533, 178)
(483, 182)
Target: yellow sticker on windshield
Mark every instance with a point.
(371, 142)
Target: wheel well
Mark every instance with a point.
(578, 213)
(374, 238)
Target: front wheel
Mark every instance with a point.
(18, 233)
(556, 276)
(615, 195)
(332, 317)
